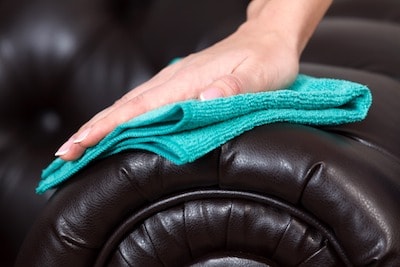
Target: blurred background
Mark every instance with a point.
(63, 61)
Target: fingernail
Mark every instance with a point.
(82, 136)
(64, 148)
(210, 94)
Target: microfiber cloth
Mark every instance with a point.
(184, 131)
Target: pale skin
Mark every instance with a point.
(262, 54)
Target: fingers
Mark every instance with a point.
(225, 86)
(122, 111)
(241, 79)
(157, 80)
(205, 76)
(70, 151)
(105, 122)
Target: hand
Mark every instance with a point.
(249, 60)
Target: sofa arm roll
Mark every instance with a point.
(278, 195)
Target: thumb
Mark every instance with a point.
(226, 85)
(244, 78)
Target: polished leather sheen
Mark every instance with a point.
(278, 195)
(281, 194)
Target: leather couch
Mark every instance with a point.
(279, 195)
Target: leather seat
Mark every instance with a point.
(280, 195)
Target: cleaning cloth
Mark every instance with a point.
(184, 131)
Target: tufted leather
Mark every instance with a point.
(60, 63)
(280, 195)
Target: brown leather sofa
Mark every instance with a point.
(279, 195)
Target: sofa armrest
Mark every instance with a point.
(278, 195)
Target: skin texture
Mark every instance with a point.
(262, 54)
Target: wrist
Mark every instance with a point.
(293, 20)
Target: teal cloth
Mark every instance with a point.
(185, 131)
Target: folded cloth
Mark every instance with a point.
(185, 131)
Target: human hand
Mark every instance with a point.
(249, 60)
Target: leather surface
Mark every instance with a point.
(329, 190)
(63, 61)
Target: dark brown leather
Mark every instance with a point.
(279, 195)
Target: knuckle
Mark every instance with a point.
(121, 101)
(232, 84)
